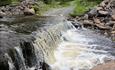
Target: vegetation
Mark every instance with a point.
(82, 6)
(7, 2)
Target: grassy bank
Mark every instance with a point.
(82, 6)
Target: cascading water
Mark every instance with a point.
(50, 43)
(82, 49)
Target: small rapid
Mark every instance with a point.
(82, 49)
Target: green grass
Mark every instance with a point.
(82, 6)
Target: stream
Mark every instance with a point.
(51, 43)
(82, 49)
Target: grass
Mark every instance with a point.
(82, 6)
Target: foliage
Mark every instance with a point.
(7, 2)
(82, 6)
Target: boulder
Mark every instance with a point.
(28, 11)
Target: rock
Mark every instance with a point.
(88, 22)
(112, 32)
(99, 8)
(97, 20)
(92, 13)
(28, 11)
(103, 12)
(85, 16)
(103, 27)
(113, 17)
(110, 23)
(113, 27)
(2, 14)
(102, 4)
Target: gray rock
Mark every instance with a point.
(92, 13)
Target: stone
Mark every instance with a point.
(85, 16)
(102, 4)
(113, 17)
(96, 20)
(103, 12)
(28, 11)
(112, 32)
(2, 14)
(92, 13)
(110, 23)
(103, 27)
(88, 22)
(99, 8)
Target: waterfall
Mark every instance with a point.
(82, 49)
(50, 43)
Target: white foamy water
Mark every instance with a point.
(75, 52)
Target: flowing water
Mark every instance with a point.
(44, 43)
(82, 49)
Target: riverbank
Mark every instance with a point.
(100, 19)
